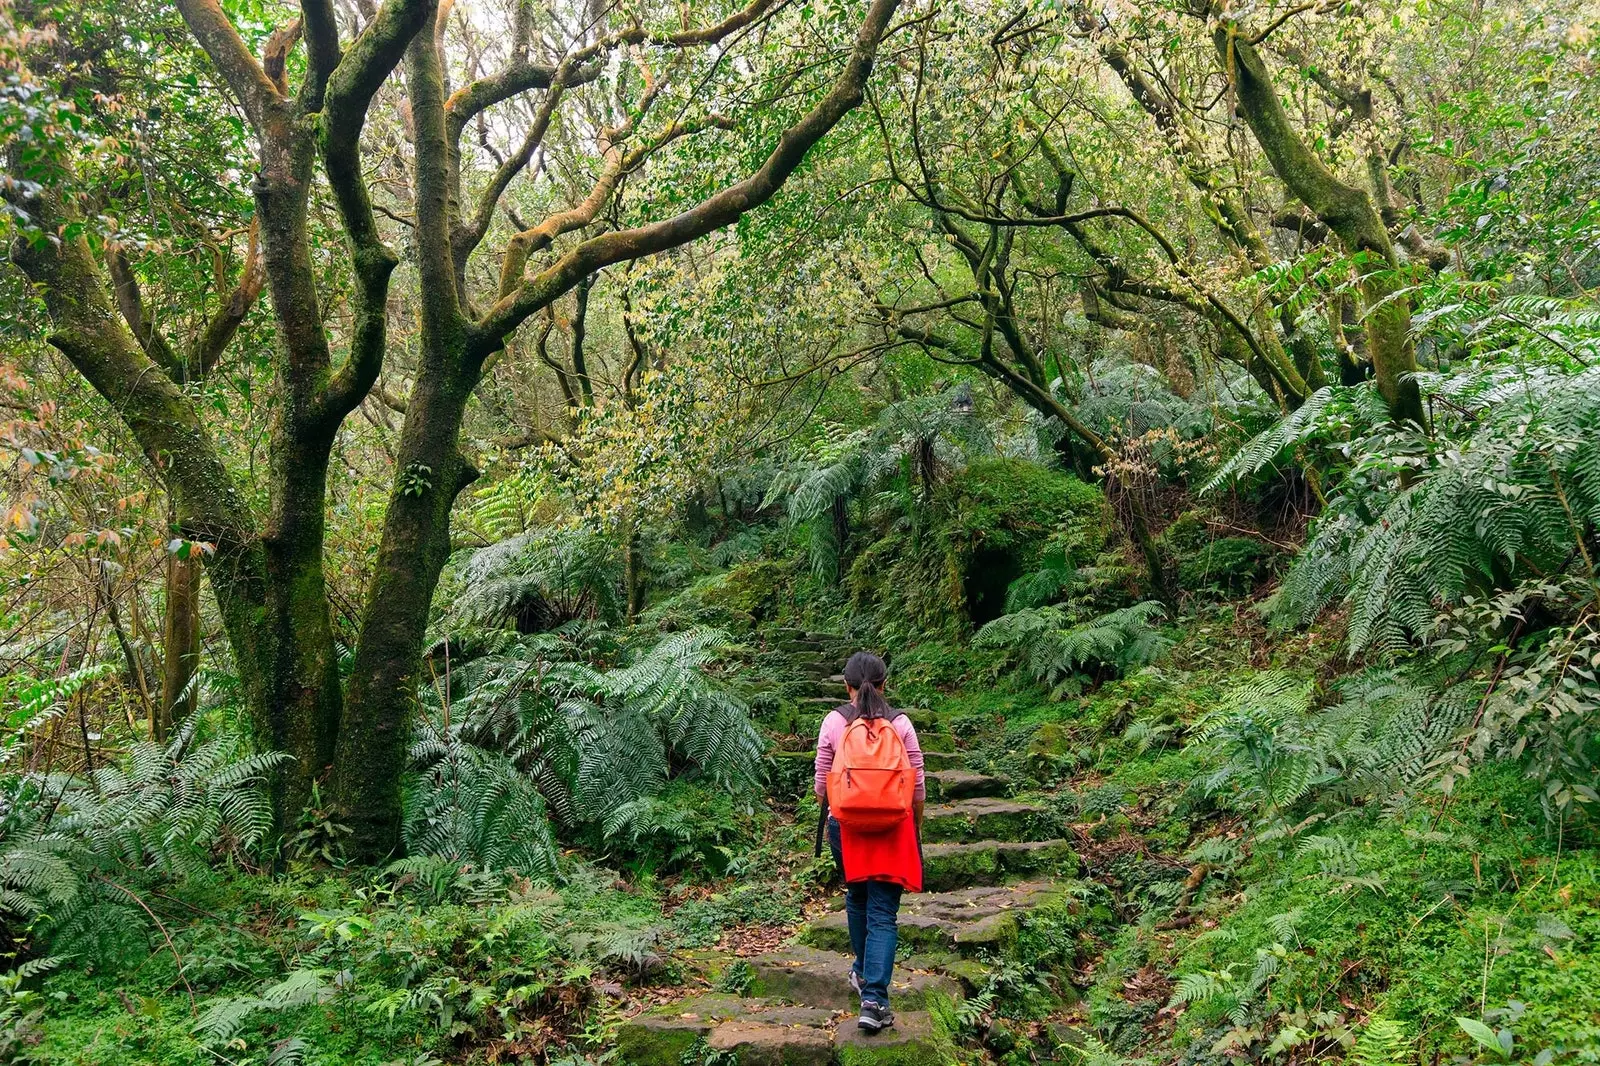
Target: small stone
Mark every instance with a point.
(998, 1039)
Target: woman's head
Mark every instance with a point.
(864, 674)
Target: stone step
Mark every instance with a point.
(661, 1036)
(798, 646)
(813, 978)
(763, 1043)
(912, 1042)
(988, 862)
(967, 920)
(935, 761)
(757, 1032)
(962, 784)
(987, 818)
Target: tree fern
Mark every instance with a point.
(547, 578)
(1504, 486)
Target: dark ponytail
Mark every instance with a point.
(865, 673)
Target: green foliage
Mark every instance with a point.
(1057, 652)
(913, 441)
(683, 828)
(1506, 487)
(68, 841)
(996, 521)
(539, 581)
(1230, 564)
(544, 722)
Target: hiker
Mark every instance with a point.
(869, 776)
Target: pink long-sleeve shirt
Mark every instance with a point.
(832, 732)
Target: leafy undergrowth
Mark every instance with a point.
(1265, 878)
(1282, 884)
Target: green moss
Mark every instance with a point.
(972, 864)
(997, 515)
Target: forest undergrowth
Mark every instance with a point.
(448, 449)
(1248, 888)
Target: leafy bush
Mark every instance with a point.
(997, 521)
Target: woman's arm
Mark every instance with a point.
(908, 736)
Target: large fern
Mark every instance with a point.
(545, 578)
(1056, 650)
(68, 842)
(538, 728)
(914, 440)
(1507, 486)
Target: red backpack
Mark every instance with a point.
(872, 782)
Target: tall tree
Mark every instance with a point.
(269, 573)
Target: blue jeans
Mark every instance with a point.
(872, 909)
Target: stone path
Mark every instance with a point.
(988, 862)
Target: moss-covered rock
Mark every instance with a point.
(757, 1031)
(992, 524)
(1050, 751)
(915, 1040)
(819, 978)
(987, 818)
(947, 866)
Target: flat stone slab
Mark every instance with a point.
(913, 1041)
(966, 920)
(987, 818)
(816, 978)
(940, 760)
(761, 1043)
(963, 784)
(661, 1035)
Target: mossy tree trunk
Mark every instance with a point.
(1345, 209)
(180, 642)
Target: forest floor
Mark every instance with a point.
(1093, 896)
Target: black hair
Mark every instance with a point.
(865, 673)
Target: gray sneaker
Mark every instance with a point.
(855, 982)
(874, 1017)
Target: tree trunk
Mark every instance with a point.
(180, 644)
(381, 696)
(1344, 209)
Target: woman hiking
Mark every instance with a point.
(869, 772)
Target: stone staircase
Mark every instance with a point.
(989, 862)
